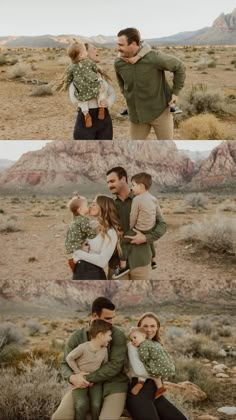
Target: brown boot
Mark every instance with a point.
(101, 113)
(137, 388)
(160, 391)
(88, 120)
(71, 264)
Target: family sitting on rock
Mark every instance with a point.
(94, 366)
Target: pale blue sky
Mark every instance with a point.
(107, 17)
(13, 149)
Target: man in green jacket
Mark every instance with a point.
(140, 252)
(110, 374)
(145, 88)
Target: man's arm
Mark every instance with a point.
(116, 360)
(169, 62)
(119, 79)
(158, 230)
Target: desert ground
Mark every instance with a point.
(33, 227)
(31, 111)
(200, 338)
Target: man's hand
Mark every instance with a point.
(138, 239)
(78, 380)
(173, 100)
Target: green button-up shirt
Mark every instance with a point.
(145, 87)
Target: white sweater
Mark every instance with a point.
(93, 103)
(101, 249)
(137, 368)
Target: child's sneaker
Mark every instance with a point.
(159, 392)
(137, 388)
(101, 113)
(88, 120)
(154, 265)
(124, 112)
(119, 272)
(174, 109)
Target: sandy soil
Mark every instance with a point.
(37, 250)
(52, 117)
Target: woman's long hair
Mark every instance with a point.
(153, 316)
(109, 218)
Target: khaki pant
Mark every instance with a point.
(137, 273)
(112, 408)
(163, 127)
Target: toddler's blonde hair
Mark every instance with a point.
(75, 203)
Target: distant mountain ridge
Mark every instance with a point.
(222, 32)
(61, 167)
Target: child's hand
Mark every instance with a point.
(131, 60)
(103, 103)
(85, 247)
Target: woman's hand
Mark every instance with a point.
(85, 247)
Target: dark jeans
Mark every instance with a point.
(87, 271)
(143, 406)
(100, 130)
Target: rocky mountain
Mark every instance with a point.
(222, 32)
(63, 166)
(219, 169)
(80, 294)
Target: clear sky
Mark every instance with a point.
(13, 149)
(107, 17)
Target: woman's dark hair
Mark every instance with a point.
(97, 326)
(120, 172)
(102, 303)
(132, 35)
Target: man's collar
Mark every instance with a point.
(130, 196)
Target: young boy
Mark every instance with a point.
(88, 357)
(144, 210)
(157, 362)
(80, 229)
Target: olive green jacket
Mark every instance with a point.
(145, 87)
(111, 374)
(139, 255)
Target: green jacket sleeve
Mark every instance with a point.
(119, 79)
(170, 63)
(158, 230)
(116, 359)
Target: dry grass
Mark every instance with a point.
(205, 126)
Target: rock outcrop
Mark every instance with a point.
(63, 166)
(219, 169)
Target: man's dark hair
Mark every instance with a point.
(120, 172)
(97, 326)
(143, 178)
(132, 35)
(102, 303)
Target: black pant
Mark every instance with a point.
(100, 130)
(87, 271)
(143, 406)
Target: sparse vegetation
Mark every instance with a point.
(42, 91)
(8, 225)
(197, 200)
(217, 234)
(206, 127)
(34, 327)
(20, 70)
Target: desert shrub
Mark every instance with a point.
(34, 327)
(211, 64)
(200, 99)
(233, 62)
(2, 211)
(3, 60)
(224, 331)
(217, 234)
(9, 353)
(189, 369)
(8, 225)
(211, 51)
(183, 406)
(205, 62)
(203, 326)
(34, 393)
(194, 345)
(174, 332)
(42, 91)
(10, 333)
(205, 126)
(20, 70)
(197, 200)
(13, 61)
